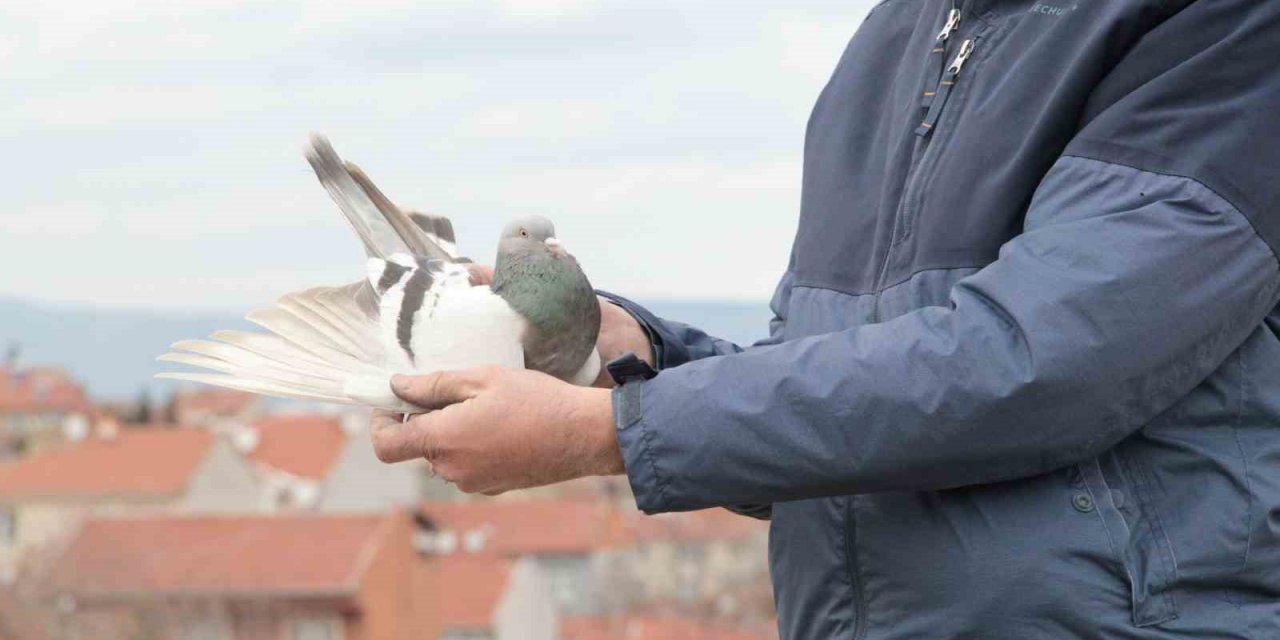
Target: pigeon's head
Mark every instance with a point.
(529, 232)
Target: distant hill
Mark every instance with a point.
(113, 351)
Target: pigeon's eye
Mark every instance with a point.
(524, 233)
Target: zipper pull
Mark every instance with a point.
(938, 57)
(953, 22)
(966, 50)
(944, 89)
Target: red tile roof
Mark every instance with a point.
(40, 389)
(293, 556)
(303, 445)
(640, 627)
(517, 527)
(471, 587)
(150, 462)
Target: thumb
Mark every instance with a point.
(437, 390)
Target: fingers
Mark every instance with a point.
(440, 389)
(397, 440)
(392, 439)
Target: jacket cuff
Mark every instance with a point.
(648, 485)
(668, 350)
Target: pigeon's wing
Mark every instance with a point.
(384, 229)
(342, 344)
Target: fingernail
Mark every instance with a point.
(400, 382)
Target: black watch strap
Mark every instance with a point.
(630, 367)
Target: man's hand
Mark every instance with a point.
(492, 429)
(619, 332)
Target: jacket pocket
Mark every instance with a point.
(1119, 491)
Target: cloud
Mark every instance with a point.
(159, 141)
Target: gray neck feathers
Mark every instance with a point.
(554, 296)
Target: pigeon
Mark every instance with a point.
(415, 312)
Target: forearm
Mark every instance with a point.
(1099, 317)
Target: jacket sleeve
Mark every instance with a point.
(675, 343)
(1146, 259)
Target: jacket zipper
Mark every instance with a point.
(944, 89)
(937, 103)
(938, 57)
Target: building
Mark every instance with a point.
(325, 462)
(564, 538)
(709, 563)
(359, 482)
(300, 576)
(214, 408)
(39, 407)
(44, 496)
(485, 597)
(293, 455)
(601, 557)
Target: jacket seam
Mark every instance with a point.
(1248, 482)
(814, 285)
(1116, 551)
(1275, 253)
(851, 569)
(1141, 483)
(659, 480)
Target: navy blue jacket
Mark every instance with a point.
(1024, 378)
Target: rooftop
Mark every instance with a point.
(304, 445)
(471, 587)
(255, 556)
(40, 389)
(511, 527)
(142, 462)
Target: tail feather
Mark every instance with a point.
(418, 239)
(383, 228)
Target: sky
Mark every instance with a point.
(153, 150)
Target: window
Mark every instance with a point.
(319, 628)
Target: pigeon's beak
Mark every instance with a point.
(556, 248)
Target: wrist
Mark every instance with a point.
(621, 332)
(595, 426)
